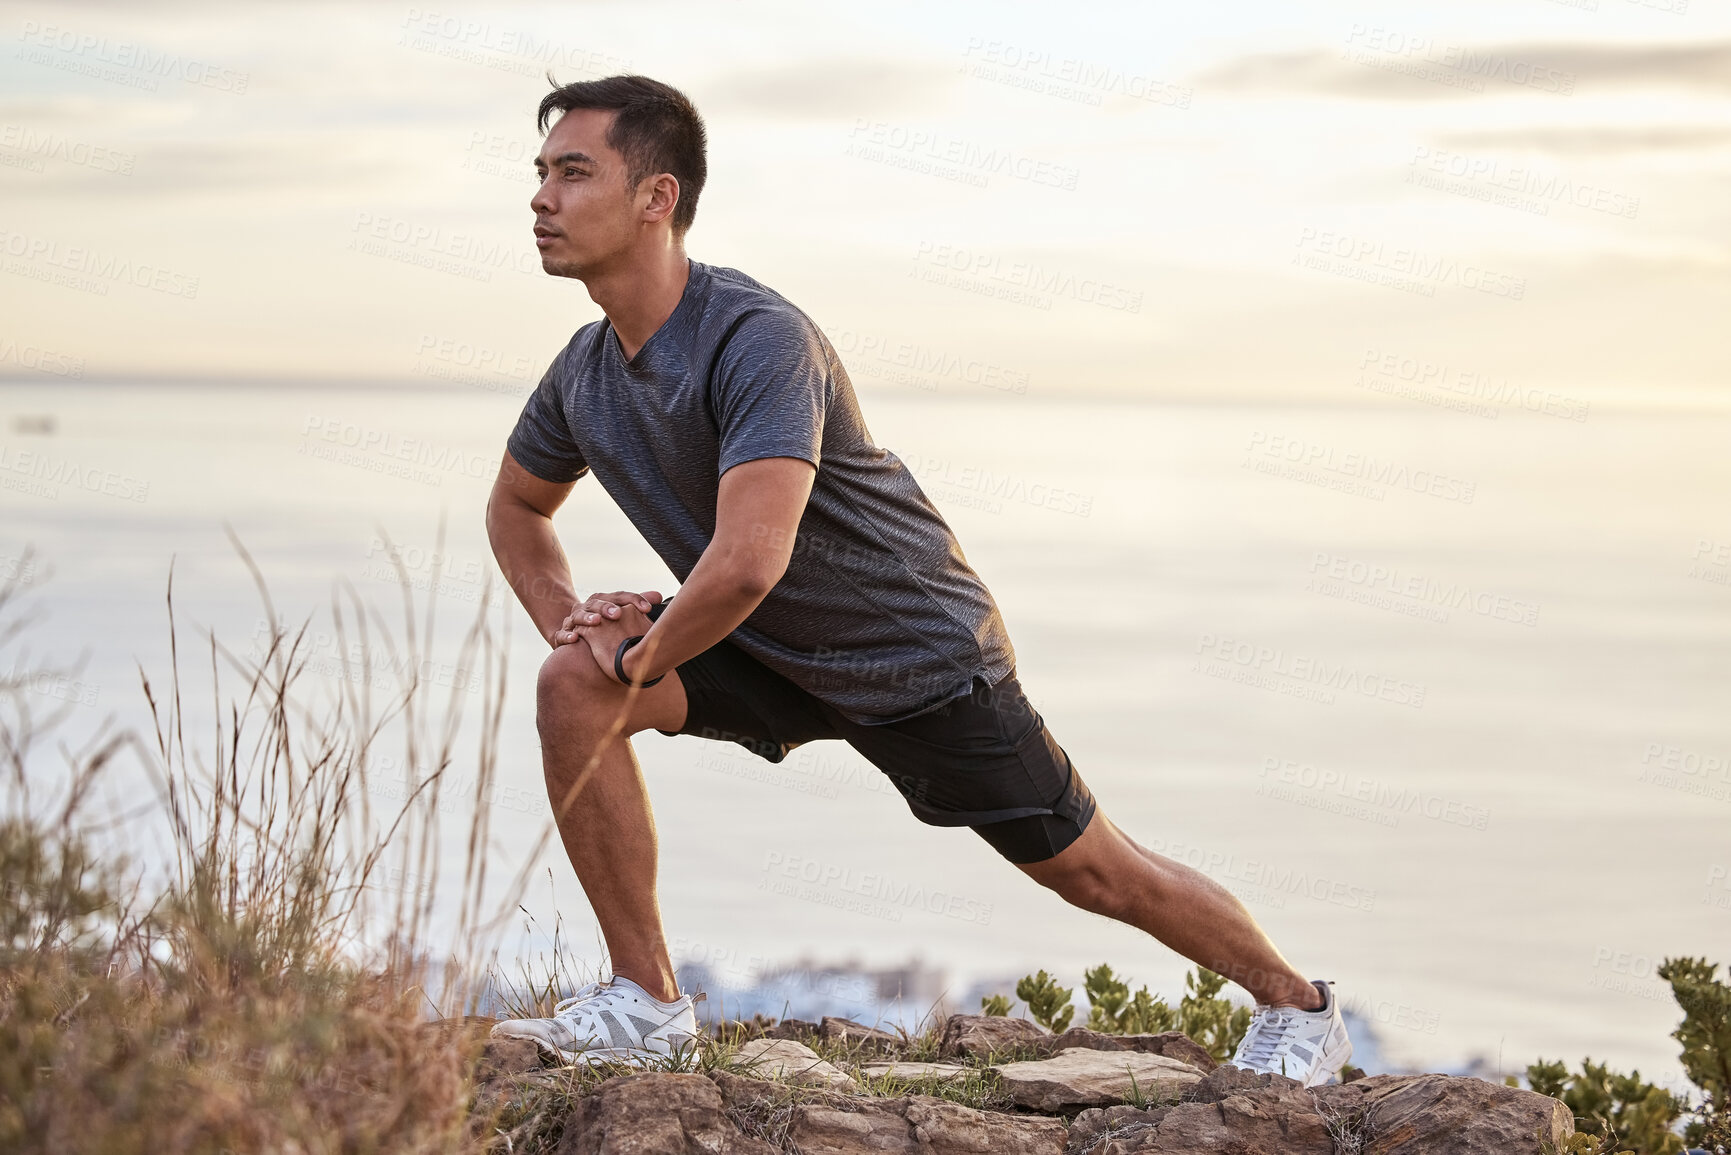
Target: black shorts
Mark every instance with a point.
(983, 760)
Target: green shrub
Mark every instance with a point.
(1048, 1002)
(1705, 1034)
(1636, 1114)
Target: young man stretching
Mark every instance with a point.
(822, 596)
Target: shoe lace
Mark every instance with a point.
(1270, 1030)
(564, 1008)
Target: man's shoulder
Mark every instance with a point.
(740, 305)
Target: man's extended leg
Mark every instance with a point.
(1106, 872)
(601, 804)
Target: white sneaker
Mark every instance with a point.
(612, 1022)
(1310, 1046)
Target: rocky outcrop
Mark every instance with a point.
(1172, 1044)
(1380, 1115)
(857, 1035)
(979, 1035)
(784, 1059)
(1083, 1077)
(655, 1113)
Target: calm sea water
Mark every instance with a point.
(1443, 697)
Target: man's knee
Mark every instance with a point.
(572, 687)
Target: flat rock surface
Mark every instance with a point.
(791, 1061)
(655, 1113)
(1172, 1044)
(921, 1125)
(979, 1035)
(1084, 1077)
(857, 1034)
(911, 1070)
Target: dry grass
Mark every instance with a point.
(267, 988)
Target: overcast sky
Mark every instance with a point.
(1081, 197)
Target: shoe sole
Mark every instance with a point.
(594, 1057)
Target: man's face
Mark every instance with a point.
(585, 214)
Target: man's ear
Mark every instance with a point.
(663, 197)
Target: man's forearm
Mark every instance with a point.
(712, 602)
(533, 563)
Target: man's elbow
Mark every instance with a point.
(754, 576)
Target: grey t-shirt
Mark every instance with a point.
(878, 614)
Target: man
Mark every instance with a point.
(822, 596)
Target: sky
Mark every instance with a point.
(1146, 199)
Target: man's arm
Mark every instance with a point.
(520, 528)
(757, 513)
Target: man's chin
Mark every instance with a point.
(558, 267)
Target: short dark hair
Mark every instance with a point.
(657, 130)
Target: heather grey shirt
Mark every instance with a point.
(879, 613)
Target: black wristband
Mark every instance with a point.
(619, 663)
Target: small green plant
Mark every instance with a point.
(1212, 1021)
(997, 1006)
(1113, 1010)
(1630, 1114)
(1048, 1002)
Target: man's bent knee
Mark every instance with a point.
(571, 686)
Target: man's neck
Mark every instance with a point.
(638, 299)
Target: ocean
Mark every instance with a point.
(1437, 684)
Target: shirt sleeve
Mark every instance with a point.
(772, 388)
(542, 441)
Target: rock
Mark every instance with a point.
(921, 1125)
(796, 1029)
(1172, 1044)
(857, 1034)
(1121, 1122)
(793, 1061)
(981, 1034)
(907, 1070)
(502, 1058)
(1379, 1115)
(1082, 1077)
(655, 1113)
(1227, 1080)
(1434, 1114)
(747, 1094)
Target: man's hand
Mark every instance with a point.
(604, 636)
(599, 608)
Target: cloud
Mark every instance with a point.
(1389, 68)
(1600, 140)
(829, 89)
